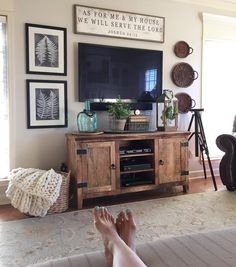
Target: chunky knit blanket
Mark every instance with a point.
(33, 191)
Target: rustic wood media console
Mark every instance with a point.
(112, 164)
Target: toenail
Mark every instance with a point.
(97, 208)
(128, 211)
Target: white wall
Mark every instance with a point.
(46, 148)
(6, 5)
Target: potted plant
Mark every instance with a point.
(119, 112)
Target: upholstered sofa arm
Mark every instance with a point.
(227, 143)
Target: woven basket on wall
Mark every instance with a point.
(62, 202)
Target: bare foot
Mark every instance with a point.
(105, 224)
(121, 253)
(126, 228)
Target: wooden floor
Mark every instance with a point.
(7, 212)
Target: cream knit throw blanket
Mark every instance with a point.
(33, 191)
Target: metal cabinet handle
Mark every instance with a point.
(113, 166)
(161, 162)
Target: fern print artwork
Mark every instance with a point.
(47, 104)
(46, 50)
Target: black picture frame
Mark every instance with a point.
(46, 49)
(46, 104)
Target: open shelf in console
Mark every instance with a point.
(136, 162)
(137, 178)
(136, 155)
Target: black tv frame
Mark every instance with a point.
(96, 104)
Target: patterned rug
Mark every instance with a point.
(32, 240)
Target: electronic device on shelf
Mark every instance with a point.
(127, 150)
(134, 164)
(134, 179)
(131, 151)
(135, 167)
(147, 150)
(135, 182)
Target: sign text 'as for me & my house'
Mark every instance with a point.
(105, 22)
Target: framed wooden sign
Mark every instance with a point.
(106, 22)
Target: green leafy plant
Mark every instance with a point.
(119, 109)
(171, 113)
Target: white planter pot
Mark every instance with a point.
(118, 124)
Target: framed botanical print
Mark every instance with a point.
(46, 104)
(46, 49)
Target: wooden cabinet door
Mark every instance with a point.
(97, 168)
(172, 160)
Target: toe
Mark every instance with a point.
(103, 213)
(106, 214)
(122, 216)
(96, 213)
(130, 216)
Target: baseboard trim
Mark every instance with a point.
(200, 173)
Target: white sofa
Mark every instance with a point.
(215, 248)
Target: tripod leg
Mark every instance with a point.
(202, 134)
(193, 133)
(191, 121)
(203, 162)
(212, 173)
(191, 136)
(196, 135)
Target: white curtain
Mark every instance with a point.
(219, 83)
(4, 110)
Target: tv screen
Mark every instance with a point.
(108, 72)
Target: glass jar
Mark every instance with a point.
(167, 112)
(87, 119)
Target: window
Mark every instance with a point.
(219, 95)
(219, 84)
(150, 80)
(4, 112)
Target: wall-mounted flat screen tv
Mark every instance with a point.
(109, 72)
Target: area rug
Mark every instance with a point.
(33, 240)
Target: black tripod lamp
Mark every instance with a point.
(200, 141)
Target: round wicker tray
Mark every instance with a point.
(185, 102)
(183, 74)
(182, 49)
